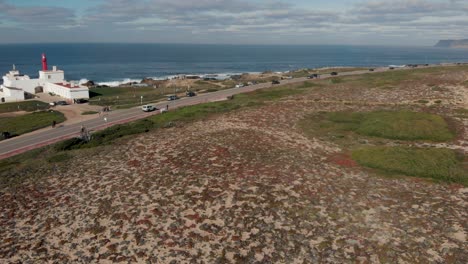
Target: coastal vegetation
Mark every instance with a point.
(461, 113)
(22, 124)
(262, 177)
(382, 140)
(396, 125)
(351, 129)
(438, 164)
(54, 155)
(28, 106)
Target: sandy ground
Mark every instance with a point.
(244, 187)
(72, 112)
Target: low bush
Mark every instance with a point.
(61, 157)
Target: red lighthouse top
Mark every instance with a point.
(44, 62)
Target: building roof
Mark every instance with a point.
(68, 85)
(12, 88)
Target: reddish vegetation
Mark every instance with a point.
(342, 159)
(134, 163)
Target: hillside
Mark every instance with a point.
(462, 43)
(359, 169)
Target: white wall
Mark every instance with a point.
(27, 85)
(52, 76)
(13, 95)
(80, 93)
(69, 93)
(57, 89)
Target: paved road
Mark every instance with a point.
(48, 136)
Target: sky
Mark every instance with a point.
(304, 22)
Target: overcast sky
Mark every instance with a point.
(361, 22)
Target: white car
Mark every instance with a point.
(148, 108)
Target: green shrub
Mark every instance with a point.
(59, 158)
(438, 164)
(69, 144)
(336, 80)
(89, 113)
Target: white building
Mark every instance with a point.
(17, 87)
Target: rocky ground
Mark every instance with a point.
(244, 187)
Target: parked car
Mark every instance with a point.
(333, 73)
(391, 68)
(313, 76)
(172, 97)
(190, 94)
(275, 82)
(61, 103)
(5, 135)
(240, 85)
(371, 69)
(148, 108)
(81, 101)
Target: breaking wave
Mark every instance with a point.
(115, 83)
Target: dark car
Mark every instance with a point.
(61, 103)
(275, 82)
(172, 97)
(391, 68)
(312, 76)
(371, 69)
(333, 73)
(190, 94)
(81, 101)
(5, 135)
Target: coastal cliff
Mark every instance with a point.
(462, 43)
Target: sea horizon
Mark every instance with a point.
(117, 63)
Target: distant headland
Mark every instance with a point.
(461, 43)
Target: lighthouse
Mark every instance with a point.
(17, 86)
(44, 62)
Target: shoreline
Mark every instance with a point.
(227, 75)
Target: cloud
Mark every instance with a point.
(404, 10)
(245, 21)
(209, 15)
(37, 16)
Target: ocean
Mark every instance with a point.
(113, 64)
